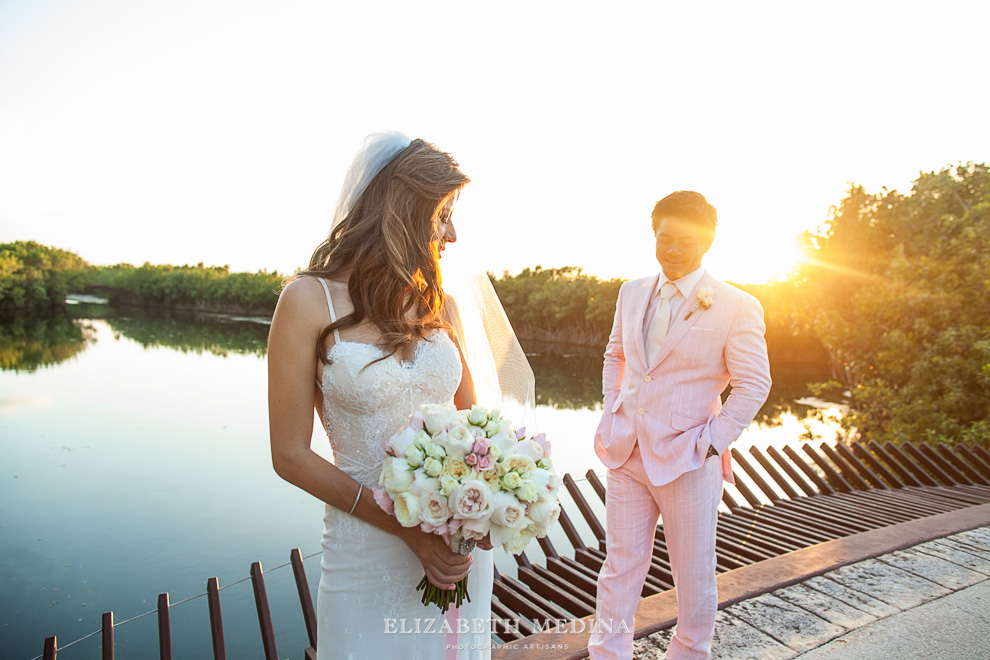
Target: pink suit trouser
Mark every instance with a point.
(689, 506)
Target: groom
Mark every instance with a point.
(678, 339)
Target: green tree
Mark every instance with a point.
(35, 275)
(897, 288)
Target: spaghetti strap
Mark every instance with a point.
(333, 317)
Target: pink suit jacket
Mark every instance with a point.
(673, 406)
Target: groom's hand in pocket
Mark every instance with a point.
(443, 566)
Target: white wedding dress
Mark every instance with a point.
(368, 606)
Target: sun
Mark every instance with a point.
(747, 258)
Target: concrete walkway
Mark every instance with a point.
(928, 601)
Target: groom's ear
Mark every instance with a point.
(709, 239)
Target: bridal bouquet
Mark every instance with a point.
(465, 475)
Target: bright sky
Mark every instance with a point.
(219, 130)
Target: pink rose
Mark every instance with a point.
(485, 463)
(433, 511)
(541, 439)
(475, 530)
(384, 501)
(471, 459)
(473, 500)
(521, 433)
(417, 421)
(481, 446)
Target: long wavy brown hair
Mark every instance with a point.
(388, 242)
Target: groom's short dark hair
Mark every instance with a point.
(686, 205)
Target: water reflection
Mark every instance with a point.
(191, 332)
(570, 378)
(567, 377)
(43, 339)
(29, 342)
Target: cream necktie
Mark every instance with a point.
(661, 320)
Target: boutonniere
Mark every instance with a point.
(705, 297)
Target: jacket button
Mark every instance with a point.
(646, 379)
(641, 411)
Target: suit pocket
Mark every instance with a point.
(685, 423)
(617, 404)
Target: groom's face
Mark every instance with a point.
(680, 246)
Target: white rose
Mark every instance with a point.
(527, 491)
(531, 449)
(423, 482)
(473, 500)
(433, 509)
(511, 481)
(457, 442)
(397, 475)
(505, 442)
(543, 515)
(518, 542)
(407, 509)
(541, 478)
(478, 415)
(439, 417)
(415, 456)
(403, 440)
(433, 467)
(448, 484)
(437, 451)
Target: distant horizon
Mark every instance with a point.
(498, 274)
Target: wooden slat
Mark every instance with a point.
(757, 478)
(51, 648)
(982, 465)
(556, 591)
(107, 644)
(305, 597)
(956, 476)
(802, 482)
(584, 507)
(774, 474)
(216, 619)
(868, 457)
(927, 465)
(860, 466)
(164, 628)
(902, 465)
(264, 613)
(833, 476)
(823, 486)
(847, 471)
(958, 460)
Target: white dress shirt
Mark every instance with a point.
(685, 286)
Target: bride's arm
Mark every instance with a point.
(292, 367)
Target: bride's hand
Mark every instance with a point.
(486, 543)
(443, 566)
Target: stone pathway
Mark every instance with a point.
(795, 621)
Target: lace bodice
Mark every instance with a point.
(366, 402)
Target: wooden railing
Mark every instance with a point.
(781, 501)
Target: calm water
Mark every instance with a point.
(135, 461)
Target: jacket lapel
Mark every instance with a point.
(637, 315)
(679, 326)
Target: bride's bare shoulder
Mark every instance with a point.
(301, 300)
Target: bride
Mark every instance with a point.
(366, 334)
